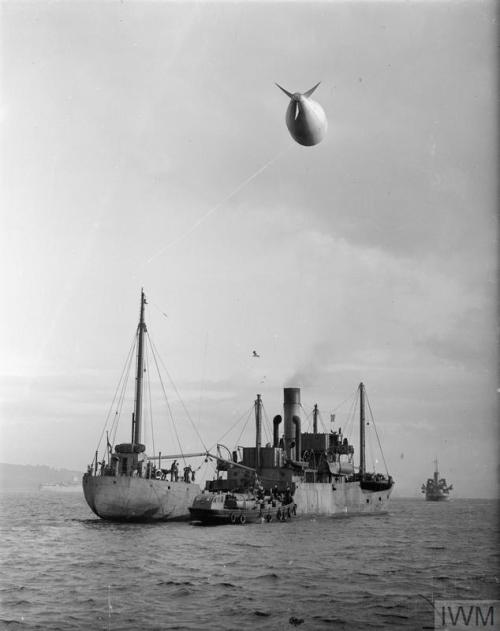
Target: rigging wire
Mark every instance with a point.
(155, 354)
(166, 398)
(349, 398)
(370, 447)
(267, 426)
(349, 426)
(308, 418)
(323, 425)
(157, 307)
(238, 420)
(150, 400)
(209, 469)
(146, 410)
(121, 401)
(127, 361)
(212, 210)
(244, 426)
(376, 434)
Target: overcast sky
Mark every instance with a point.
(131, 132)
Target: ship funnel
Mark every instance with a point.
(276, 430)
(315, 419)
(291, 409)
(298, 437)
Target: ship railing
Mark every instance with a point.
(148, 467)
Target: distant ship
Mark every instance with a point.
(60, 487)
(316, 468)
(127, 484)
(436, 490)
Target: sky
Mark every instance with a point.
(144, 145)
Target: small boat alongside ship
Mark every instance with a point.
(436, 489)
(241, 508)
(129, 485)
(316, 469)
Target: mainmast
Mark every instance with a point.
(137, 418)
(362, 465)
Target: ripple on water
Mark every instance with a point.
(64, 569)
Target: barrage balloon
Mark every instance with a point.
(305, 118)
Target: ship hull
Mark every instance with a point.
(339, 498)
(129, 498)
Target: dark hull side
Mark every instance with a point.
(242, 516)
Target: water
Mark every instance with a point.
(62, 568)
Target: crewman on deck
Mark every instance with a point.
(287, 499)
(173, 471)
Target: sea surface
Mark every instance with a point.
(63, 568)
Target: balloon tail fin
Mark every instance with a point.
(309, 92)
(289, 94)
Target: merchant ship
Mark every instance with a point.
(129, 485)
(316, 468)
(436, 490)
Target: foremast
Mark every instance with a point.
(137, 415)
